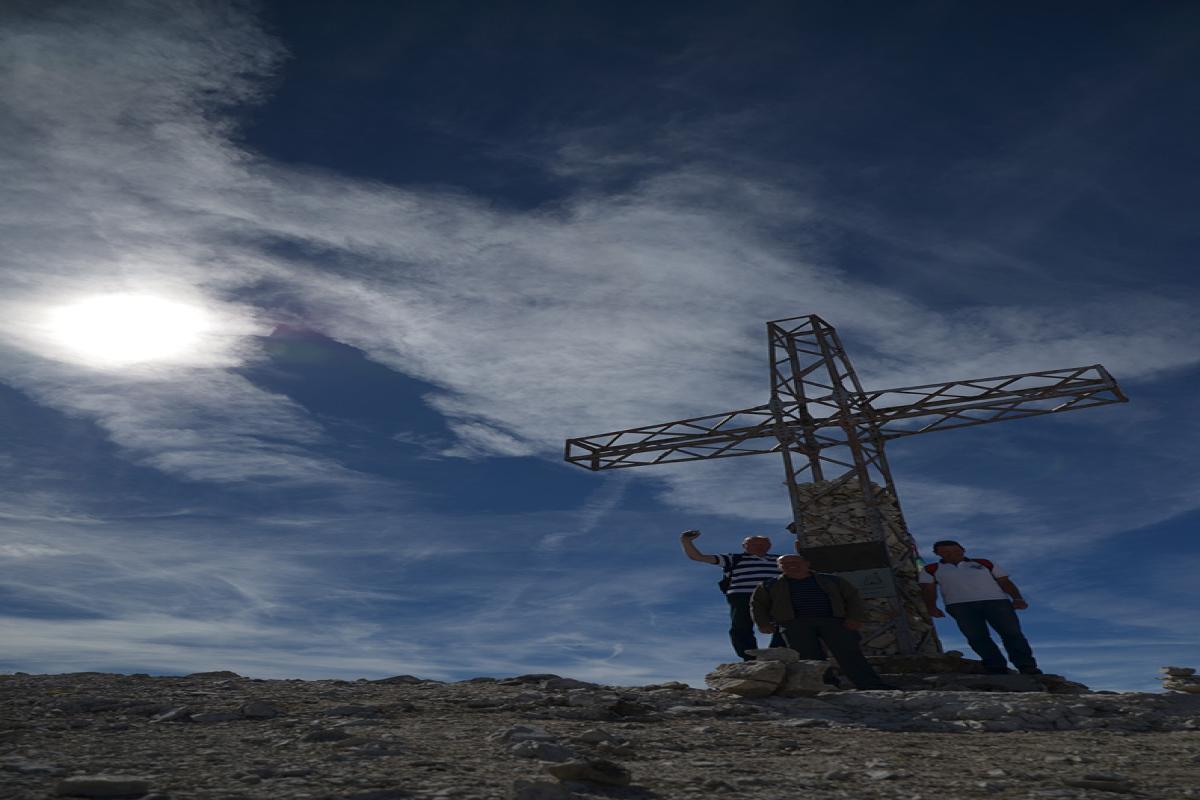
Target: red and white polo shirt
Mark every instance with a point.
(967, 581)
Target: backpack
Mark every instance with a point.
(727, 579)
(932, 568)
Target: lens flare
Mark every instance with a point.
(127, 329)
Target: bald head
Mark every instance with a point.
(794, 566)
(756, 545)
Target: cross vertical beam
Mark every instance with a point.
(810, 365)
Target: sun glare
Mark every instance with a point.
(126, 329)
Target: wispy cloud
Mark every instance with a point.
(594, 513)
(535, 325)
(178, 599)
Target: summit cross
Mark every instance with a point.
(831, 435)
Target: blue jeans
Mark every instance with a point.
(741, 626)
(973, 620)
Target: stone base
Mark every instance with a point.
(780, 671)
(964, 682)
(784, 654)
(805, 679)
(1180, 679)
(747, 678)
(951, 661)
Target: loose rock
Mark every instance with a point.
(259, 710)
(521, 733)
(222, 674)
(102, 786)
(542, 751)
(539, 790)
(784, 654)
(804, 679)
(1103, 783)
(747, 678)
(593, 770)
(937, 743)
(180, 714)
(325, 735)
(1181, 679)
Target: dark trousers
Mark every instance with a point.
(973, 620)
(741, 627)
(806, 634)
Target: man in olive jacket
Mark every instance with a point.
(810, 608)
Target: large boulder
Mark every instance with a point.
(804, 679)
(591, 770)
(1180, 679)
(102, 786)
(747, 678)
(785, 654)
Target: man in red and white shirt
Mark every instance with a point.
(978, 593)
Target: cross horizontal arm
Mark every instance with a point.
(959, 404)
(716, 436)
(929, 408)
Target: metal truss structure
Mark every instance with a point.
(831, 434)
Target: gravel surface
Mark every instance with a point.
(541, 737)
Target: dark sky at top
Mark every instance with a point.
(943, 114)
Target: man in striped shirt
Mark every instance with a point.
(744, 572)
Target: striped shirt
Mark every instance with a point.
(749, 572)
(808, 598)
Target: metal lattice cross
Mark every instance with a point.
(831, 434)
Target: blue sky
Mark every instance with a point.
(419, 245)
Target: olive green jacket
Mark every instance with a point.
(772, 600)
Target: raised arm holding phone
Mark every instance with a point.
(744, 571)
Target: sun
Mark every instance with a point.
(128, 329)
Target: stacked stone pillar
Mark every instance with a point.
(1181, 679)
(834, 515)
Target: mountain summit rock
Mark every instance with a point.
(545, 736)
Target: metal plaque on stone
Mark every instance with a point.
(864, 564)
(872, 582)
(852, 557)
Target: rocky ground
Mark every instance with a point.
(541, 737)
